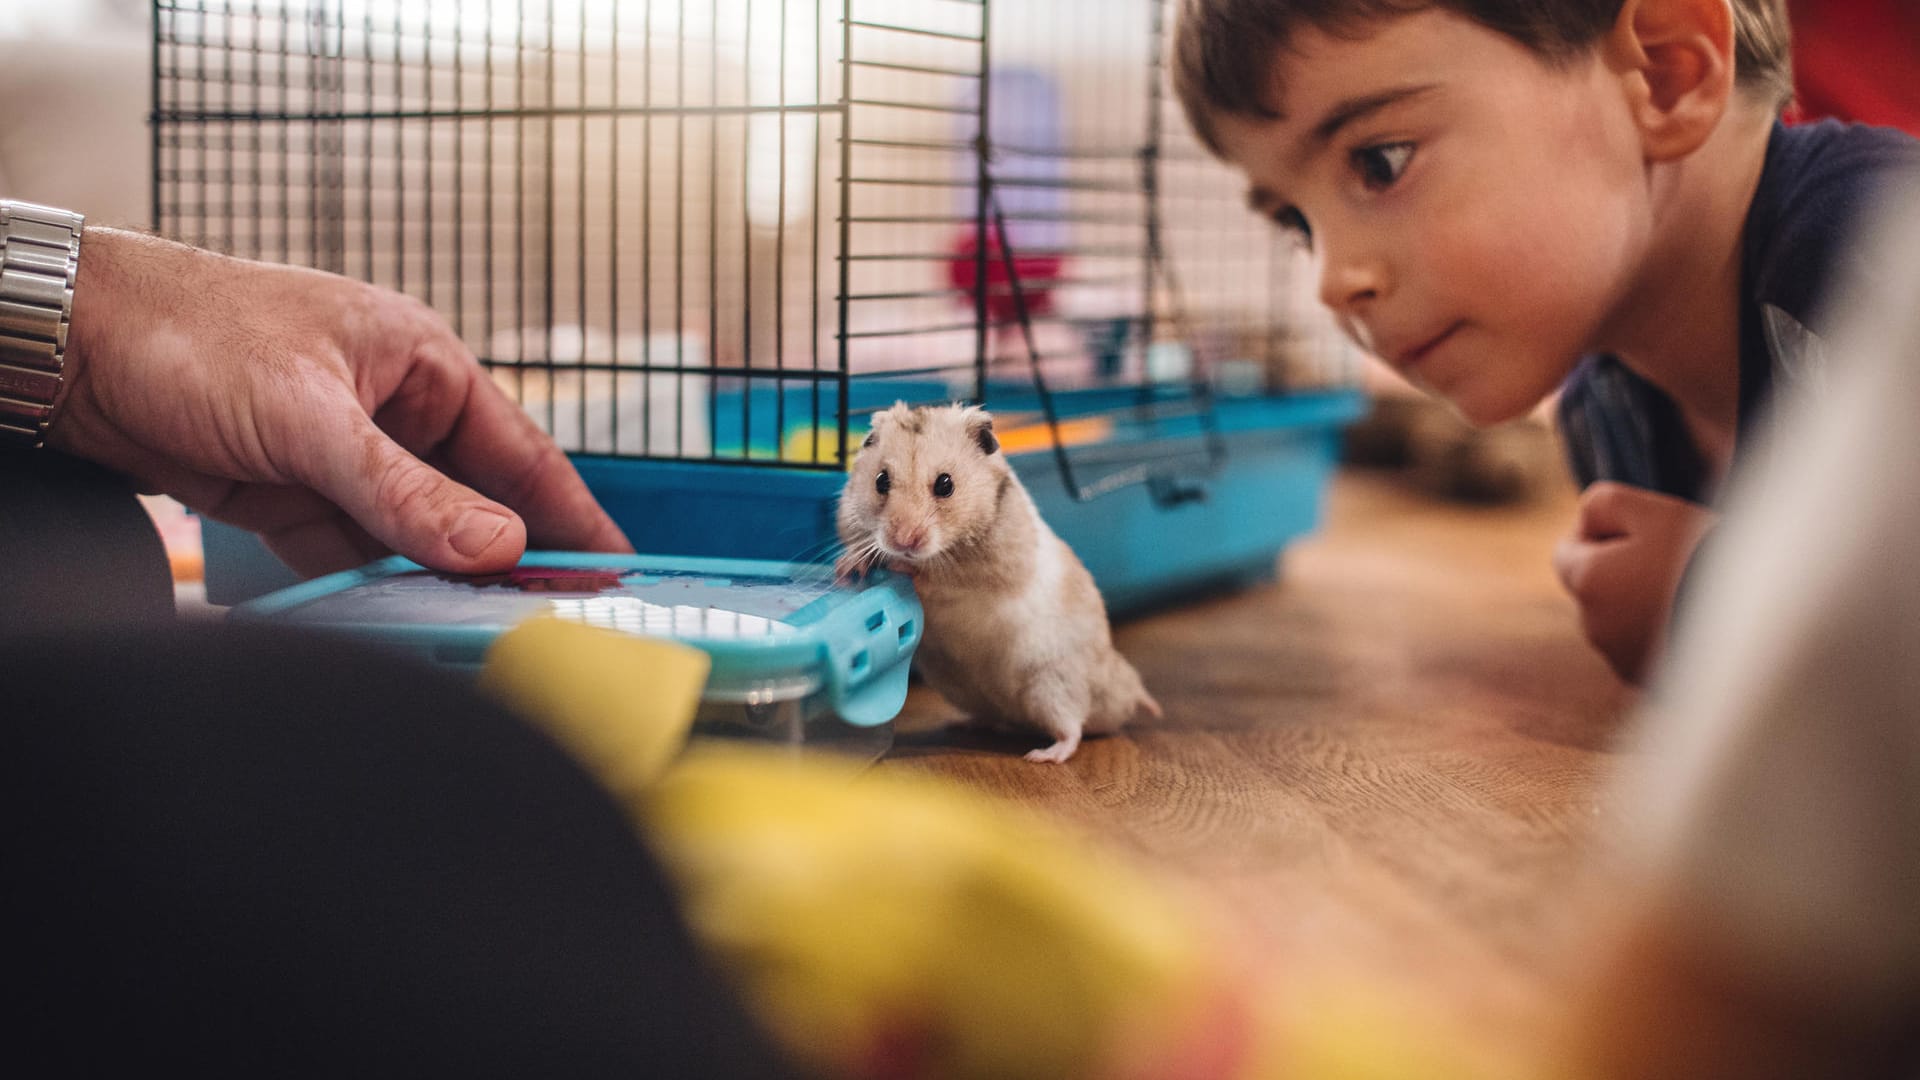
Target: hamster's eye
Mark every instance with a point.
(942, 486)
(882, 483)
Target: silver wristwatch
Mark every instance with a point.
(39, 254)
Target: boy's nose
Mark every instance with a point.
(1348, 286)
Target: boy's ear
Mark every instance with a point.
(1677, 58)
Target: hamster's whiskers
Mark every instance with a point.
(816, 552)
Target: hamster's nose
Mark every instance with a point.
(907, 539)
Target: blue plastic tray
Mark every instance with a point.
(781, 635)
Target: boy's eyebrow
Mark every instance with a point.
(1351, 109)
(1261, 201)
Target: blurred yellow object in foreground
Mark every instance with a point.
(884, 925)
(899, 926)
(888, 924)
(622, 705)
(1345, 1028)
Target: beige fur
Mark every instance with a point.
(1015, 631)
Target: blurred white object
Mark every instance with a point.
(73, 132)
(1780, 801)
(1169, 361)
(73, 20)
(610, 410)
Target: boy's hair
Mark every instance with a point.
(1224, 50)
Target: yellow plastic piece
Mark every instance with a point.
(621, 704)
(808, 444)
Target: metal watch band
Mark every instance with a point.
(39, 255)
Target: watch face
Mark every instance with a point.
(663, 603)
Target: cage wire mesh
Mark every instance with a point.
(687, 230)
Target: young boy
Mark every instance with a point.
(1506, 198)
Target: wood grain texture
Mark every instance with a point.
(1385, 767)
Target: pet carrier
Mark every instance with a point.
(701, 242)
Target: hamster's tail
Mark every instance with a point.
(1143, 701)
(1137, 699)
(1150, 705)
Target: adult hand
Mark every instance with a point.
(330, 416)
(1623, 562)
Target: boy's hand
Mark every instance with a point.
(1623, 562)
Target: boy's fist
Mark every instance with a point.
(1623, 562)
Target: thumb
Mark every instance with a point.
(412, 507)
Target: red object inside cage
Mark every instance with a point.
(1038, 275)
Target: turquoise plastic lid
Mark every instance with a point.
(769, 627)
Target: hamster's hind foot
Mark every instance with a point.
(1059, 752)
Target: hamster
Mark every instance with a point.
(1015, 632)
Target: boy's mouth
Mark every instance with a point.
(1411, 358)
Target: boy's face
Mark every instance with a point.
(1477, 216)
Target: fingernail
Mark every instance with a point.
(477, 532)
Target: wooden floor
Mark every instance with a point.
(1384, 767)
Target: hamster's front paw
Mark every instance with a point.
(851, 569)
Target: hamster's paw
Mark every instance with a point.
(850, 569)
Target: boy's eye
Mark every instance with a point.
(1379, 166)
(883, 482)
(942, 486)
(1293, 221)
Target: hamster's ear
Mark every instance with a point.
(881, 419)
(980, 430)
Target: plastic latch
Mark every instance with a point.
(1169, 492)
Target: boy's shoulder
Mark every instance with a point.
(1819, 182)
(1817, 189)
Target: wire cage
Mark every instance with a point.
(696, 233)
